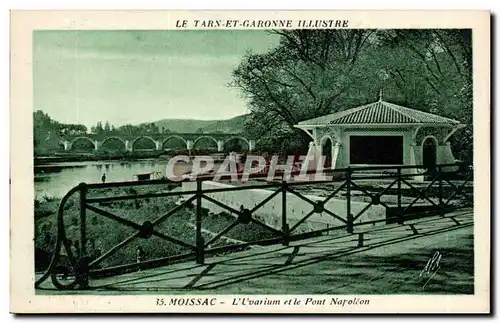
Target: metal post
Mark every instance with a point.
(82, 266)
(83, 219)
(350, 218)
(440, 192)
(284, 224)
(360, 239)
(400, 210)
(200, 256)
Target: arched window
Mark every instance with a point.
(326, 151)
(429, 156)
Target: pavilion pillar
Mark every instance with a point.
(313, 155)
(444, 155)
(415, 152)
(337, 159)
(414, 158)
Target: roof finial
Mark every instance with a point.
(380, 95)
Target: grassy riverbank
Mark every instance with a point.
(104, 233)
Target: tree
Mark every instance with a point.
(127, 129)
(154, 128)
(300, 79)
(107, 127)
(439, 61)
(97, 129)
(72, 129)
(47, 133)
(234, 145)
(315, 72)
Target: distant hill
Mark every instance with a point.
(233, 125)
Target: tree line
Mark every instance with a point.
(146, 128)
(316, 72)
(48, 132)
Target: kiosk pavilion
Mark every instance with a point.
(380, 134)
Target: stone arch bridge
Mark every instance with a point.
(190, 140)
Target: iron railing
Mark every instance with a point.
(446, 187)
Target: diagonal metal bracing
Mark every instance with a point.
(314, 203)
(456, 190)
(137, 226)
(334, 193)
(388, 187)
(421, 193)
(262, 224)
(218, 203)
(264, 201)
(114, 249)
(131, 238)
(223, 232)
(146, 229)
(300, 196)
(179, 207)
(361, 189)
(296, 225)
(238, 212)
(334, 215)
(362, 211)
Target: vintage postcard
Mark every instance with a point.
(250, 161)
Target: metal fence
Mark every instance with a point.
(444, 188)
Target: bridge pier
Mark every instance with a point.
(158, 139)
(128, 145)
(67, 145)
(220, 145)
(189, 144)
(97, 145)
(251, 145)
(158, 144)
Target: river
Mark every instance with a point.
(56, 179)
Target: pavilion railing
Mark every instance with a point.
(445, 188)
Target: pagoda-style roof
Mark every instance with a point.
(380, 112)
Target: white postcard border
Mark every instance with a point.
(23, 23)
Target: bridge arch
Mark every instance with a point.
(203, 137)
(428, 151)
(73, 142)
(114, 137)
(145, 137)
(239, 138)
(174, 137)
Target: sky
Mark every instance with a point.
(140, 76)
